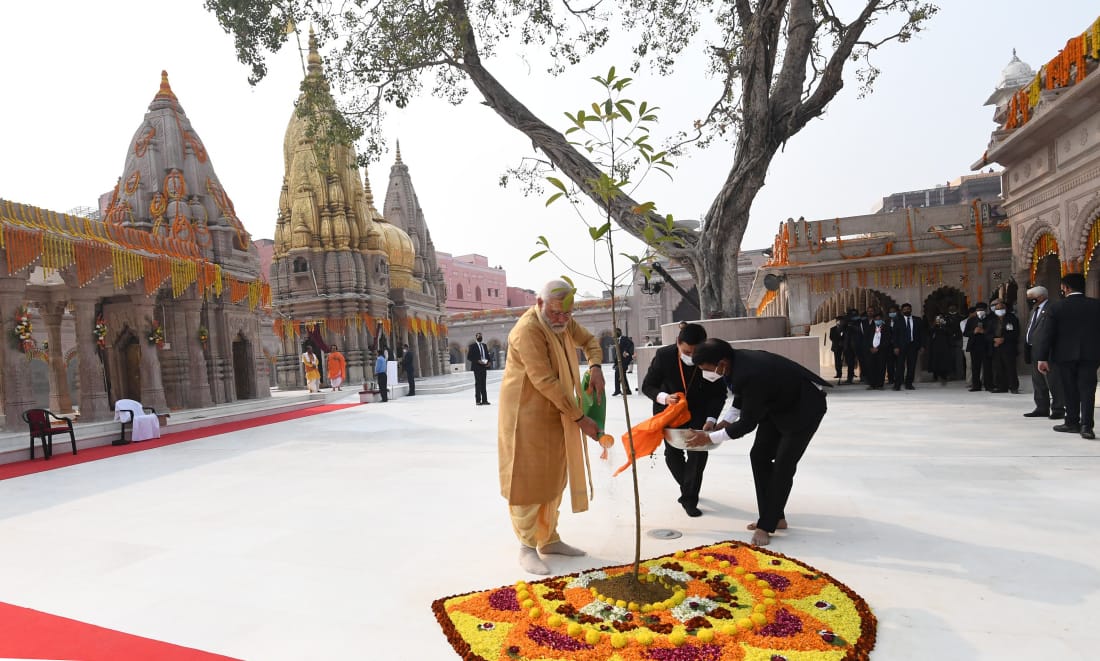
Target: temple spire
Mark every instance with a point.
(398, 161)
(314, 55)
(165, 91)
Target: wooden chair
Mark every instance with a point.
(45, 425)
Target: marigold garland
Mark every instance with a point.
(737, 602)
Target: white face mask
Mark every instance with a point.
(687, 359)
(1000, 313)
(981, 314)
(711, 376)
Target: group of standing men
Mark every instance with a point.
(884, 348)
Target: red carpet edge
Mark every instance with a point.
(63, 456)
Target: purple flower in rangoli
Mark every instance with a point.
(776, 581)
(783, 625)
(776, 563)
(778, 657)
(732, 559)
(824, 605)
(830, 637)
(486, 626)
(686, 653)
(504, 599)
(555, 641)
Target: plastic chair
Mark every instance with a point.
(45, 425)
(143, 421)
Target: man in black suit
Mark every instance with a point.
(410, 369)
(1046, 388)
(673, 375)
(878, 351)
(1072, 342)
(910, 335)
(979, 346)
(784, 402)
(626, 353)
(478, 355)
(843, 354)
(1006, 339)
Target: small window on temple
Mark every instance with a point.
(300, 265)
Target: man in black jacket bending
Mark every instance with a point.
(784, 402)
(673, 375)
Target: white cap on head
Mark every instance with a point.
(1036, 292)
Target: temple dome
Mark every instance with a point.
(1016, 73)
(402, 256)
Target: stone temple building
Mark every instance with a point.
(158, 302)
(1048, 140)
(343, 273)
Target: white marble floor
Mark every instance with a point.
(971, 531)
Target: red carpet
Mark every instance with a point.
(30, 634)
(63, 456)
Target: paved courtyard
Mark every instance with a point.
(971, 531)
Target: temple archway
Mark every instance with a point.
(1048, 272)
(939, 301)
(243, 372)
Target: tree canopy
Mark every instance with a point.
(778, 64)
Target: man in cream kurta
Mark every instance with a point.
(540, 440)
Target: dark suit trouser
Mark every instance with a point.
(382, 378)
(838, 361)
(412, 385)
(891, 365)
(906, 365)
(1078, 380)
(480, 372)
(978, 369)
(1047, 388)
(1004, 370)
(850, 361)
(687, 469)
(775, 454)
(621, 385)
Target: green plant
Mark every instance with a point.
(615, 133)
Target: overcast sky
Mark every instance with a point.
(78, 77)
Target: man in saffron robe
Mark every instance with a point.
(337, 368)
(313, 375)
(540, 442)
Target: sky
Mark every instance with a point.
(78, 77)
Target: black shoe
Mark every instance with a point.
(1086, 433)
(1039, 414)
(487, 403)
(909, 386)
(1014, 391)
(998, 391)
(615, 394)
(897, 387)
(849, 382)
(1072, 429)
(693, 511)
(1057, 415)
(974, 389)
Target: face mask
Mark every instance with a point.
(981, 314)
(893, 315)
(711, 376)
(878, 322)
(1000, 313)
(687, 359)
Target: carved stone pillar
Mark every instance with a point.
(93, 388)
(61, 400)
(198, 395)
(152, 388)
(16, 368)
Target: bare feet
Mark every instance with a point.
(531, 562)
(761, 538)
(782, 525)
(561, 548)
